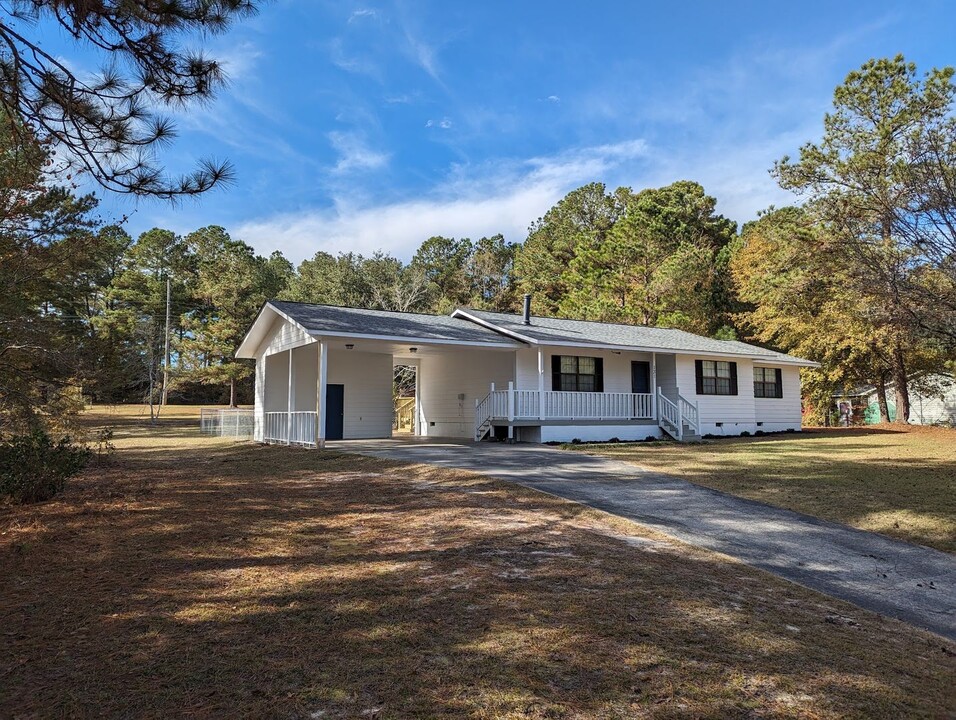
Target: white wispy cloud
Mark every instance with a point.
(425, 55)
(238, 60)
(501, 196)
(362, 13)
(354, 153)
(351, 63)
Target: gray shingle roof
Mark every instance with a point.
(319, 319)
(333, 319)
(556, 331)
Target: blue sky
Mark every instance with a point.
(364, 126)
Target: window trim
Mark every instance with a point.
(777, 384)
(556, 372)
(699, 376)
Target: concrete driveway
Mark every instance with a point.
(909, 582)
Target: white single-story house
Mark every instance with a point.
(325, 372)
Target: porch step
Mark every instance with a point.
(688, 432)
(690, 435)
(483, 431)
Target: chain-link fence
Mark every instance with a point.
(232, 423)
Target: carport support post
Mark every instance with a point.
(288, 431)
(320, 388)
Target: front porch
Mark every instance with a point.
(513, 408)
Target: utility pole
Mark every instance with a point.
(166, 354)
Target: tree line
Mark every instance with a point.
(861, 276)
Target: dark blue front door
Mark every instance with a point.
(640, 377)
(334, 412)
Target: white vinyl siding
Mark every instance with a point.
(368, 392)
(277, 382)
(781, 413)
(734, 412)
(466, 372)
(284, 335)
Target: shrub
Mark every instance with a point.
(575, 441)
(614, 440)
(759, 433)
(104, 444)
(650, 438)
(33, 467)
(745, 433)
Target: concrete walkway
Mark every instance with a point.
(909, 582)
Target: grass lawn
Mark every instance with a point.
(896, 481)
(195, 577)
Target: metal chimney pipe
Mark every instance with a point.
(527, 309)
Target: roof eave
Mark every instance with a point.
(408, 339)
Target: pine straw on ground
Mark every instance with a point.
(195, 578)
(897, 480)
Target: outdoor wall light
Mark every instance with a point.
(349, 346)
(413, 350)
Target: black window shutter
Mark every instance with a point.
(699, 374)
(779, 374)
(733, 378)
(598, 374)
(555, 372)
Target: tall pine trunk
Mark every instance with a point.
(232, 392)
(901, 385)
(881, 399)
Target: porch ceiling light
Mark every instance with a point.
(349, 346)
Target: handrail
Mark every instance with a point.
(482, 413)
(670, 413)
(689, 413)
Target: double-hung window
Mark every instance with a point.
(716, 377)
(571, 373)
(767, 383)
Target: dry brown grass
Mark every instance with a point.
(899, 481)
(193, 577)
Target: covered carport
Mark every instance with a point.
(325, 372)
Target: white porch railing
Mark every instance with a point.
(527, 405)
(597, 406)
(290, 428)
